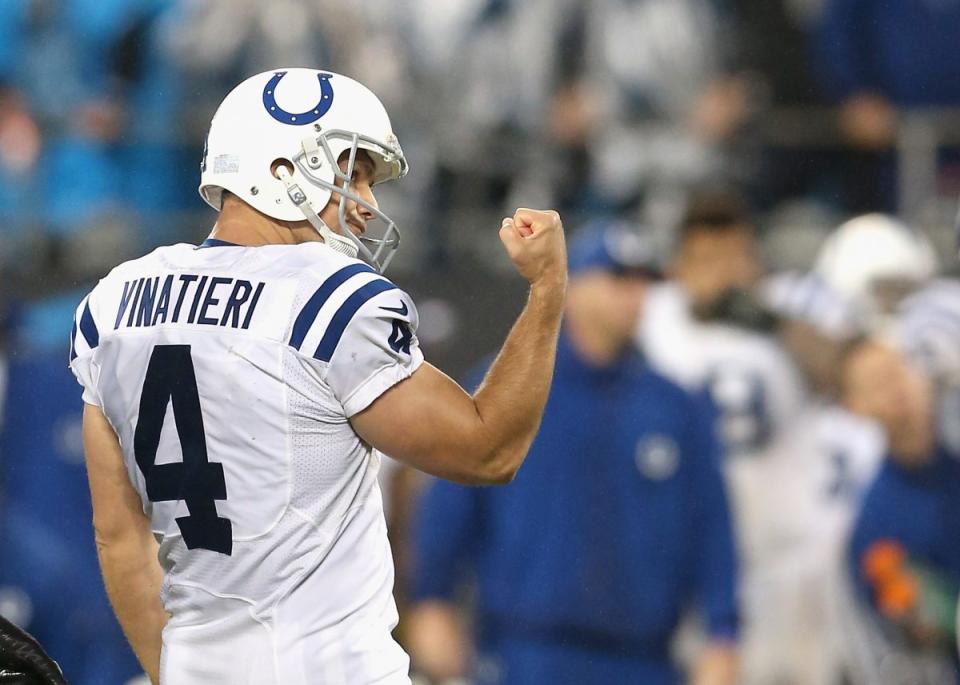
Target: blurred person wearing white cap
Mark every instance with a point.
(237, 394)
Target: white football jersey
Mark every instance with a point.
(758, 394)
(754, 383)
(229, 375)
(840, 454)
(927, 328)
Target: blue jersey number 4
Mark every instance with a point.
(196, 480)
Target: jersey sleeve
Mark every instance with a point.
(379, 349)
(84, 339)
(361, 337)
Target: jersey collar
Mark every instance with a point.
(215, 242)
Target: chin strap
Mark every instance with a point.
(333, 239)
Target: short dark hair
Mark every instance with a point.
(716, 210)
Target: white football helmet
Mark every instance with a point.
(308, 119)
(872, 249)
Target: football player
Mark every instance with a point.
(237, 394)
(875, 261)
(707, 329)
(836, 454)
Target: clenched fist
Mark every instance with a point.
(534, 240)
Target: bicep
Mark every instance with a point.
(427, 421)
(117, 508)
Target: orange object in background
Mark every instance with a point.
(895, 586)
(898, 597)
(883, 561)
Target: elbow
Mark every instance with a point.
(484, 460)
(106, 539)
(482, 475)
(112, 537)
(501, 476)
(500, 468)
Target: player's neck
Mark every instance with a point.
(241, 224)
(596, 346)
(912, 446)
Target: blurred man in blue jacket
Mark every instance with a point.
(617, 523)
(50, 582)
(904, 554)
(902, 51)
(878, 59)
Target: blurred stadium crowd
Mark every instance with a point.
(702, 152)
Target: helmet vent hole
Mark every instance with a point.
(277, 163)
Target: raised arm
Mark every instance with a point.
(431, 423)
(125, 544)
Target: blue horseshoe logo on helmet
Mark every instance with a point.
(301, 118)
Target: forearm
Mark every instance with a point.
(430, 423)
(132, 577)
(511, 399)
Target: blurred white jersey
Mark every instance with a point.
(753, 382)
(757, 392)
(843, 452)
(229, 374)
(927, 328)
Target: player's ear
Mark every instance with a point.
(280, 162)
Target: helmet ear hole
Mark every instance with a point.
(280, 162)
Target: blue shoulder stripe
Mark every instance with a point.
(310, 310)
(331, 337)
(73, 338)
(89, 328)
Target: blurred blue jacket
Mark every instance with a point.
(49, 573)
(905, 50)
(920, 509)
(617, 521)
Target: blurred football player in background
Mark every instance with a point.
(616, 525)
(835, 454)
(237, 393)
(875, 261)
(889, 274)
(706, 329)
